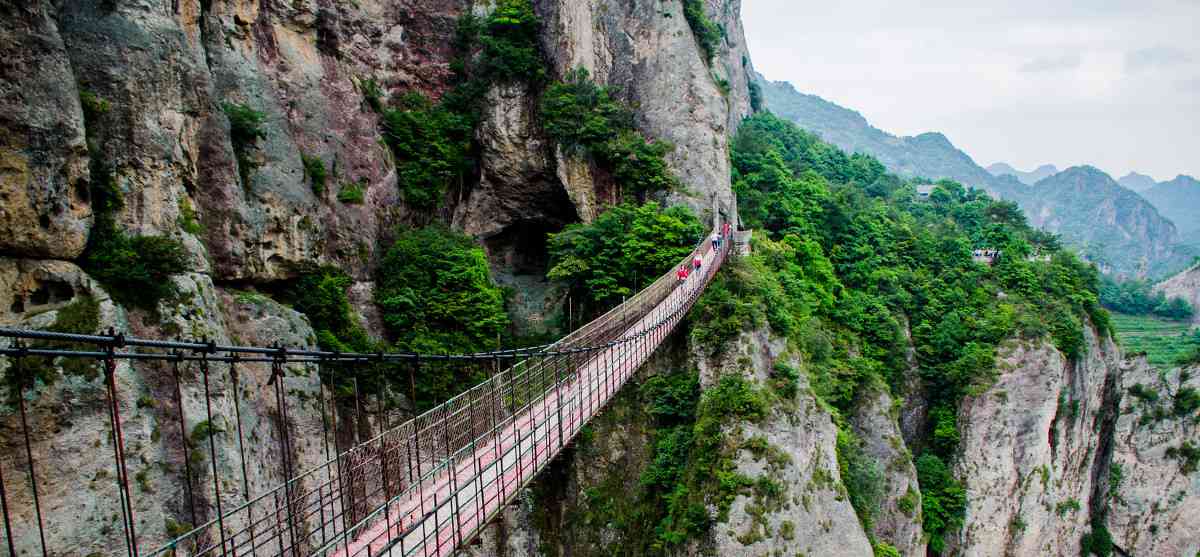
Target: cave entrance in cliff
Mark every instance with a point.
(522, 248)
(519, 256)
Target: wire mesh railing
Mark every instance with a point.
(421, 487)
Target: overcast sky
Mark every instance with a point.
(1115, 84)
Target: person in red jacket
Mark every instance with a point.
(682, 273)
(697, 261)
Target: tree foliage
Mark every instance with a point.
(1137, 297)
(708, 33)
(585, 118)
(857, 267)
(626, 247)
(436, 294)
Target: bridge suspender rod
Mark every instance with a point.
(212, 448)
(412, 371)
(8, 535)
(20, 394)
(183, 437)
(110, 369)
(285, 448)
(237, 413)
(325, 442)
(383, 448)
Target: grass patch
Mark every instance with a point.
(314, 171)
(352, 193)
(1164, 342)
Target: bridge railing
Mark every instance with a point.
(326, 508)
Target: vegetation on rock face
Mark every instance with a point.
(850, 265)
(708, 33)
(433, 143)
(82, 317)
(320, 294)
(135, 270)
(352, 193)
(584, 118)
(624, 249)
(245, 129)
(314, 170)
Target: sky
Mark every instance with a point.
(1114, 84)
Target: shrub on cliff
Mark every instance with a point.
(585, 118)
(624, 249)
(432, 146)
(436, 295)
(134, 270)
(245, 129)
(707, 32)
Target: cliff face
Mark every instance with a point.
(1185, 285)
(147, 84)
(1033, 446)
(1155, 491)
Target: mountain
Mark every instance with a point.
(1178, 200)
(1137, 182)
(928, 155)
(1027, 178)
(1132, 239)
(1105, 222)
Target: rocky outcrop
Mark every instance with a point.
(812, 515)
(1185, 285)
(898, 521)
(647, 51)
(1033, 446)
(44, 209)
(1155, 492)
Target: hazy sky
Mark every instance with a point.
(1115, 84)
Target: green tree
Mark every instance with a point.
(627, 247)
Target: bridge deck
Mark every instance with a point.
(454, 504)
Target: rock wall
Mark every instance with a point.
(646, 50)
(1155, 494)
(1185, 285)
(161, 74)
(1034, 446)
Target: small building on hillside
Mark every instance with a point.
(924, 191)
(985, 256)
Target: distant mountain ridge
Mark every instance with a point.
(1104, 221)
(1137, 182)
(1028, 178)
(1178, 200)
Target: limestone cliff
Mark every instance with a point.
(1154, 487)
(141, 89)
(1184, 285)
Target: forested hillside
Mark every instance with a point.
(1102, 221)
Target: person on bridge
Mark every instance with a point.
(682, 273)
(716, 241)
(697, 261)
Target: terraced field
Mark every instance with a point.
(1162, 340)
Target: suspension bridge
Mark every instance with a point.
(422, 487)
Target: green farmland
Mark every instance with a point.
(1162, 340)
